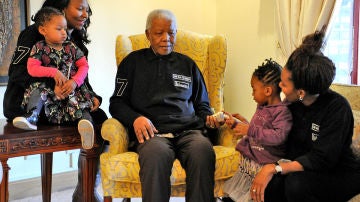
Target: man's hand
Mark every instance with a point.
(211, 122)
(144, 129)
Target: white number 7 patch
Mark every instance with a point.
(121, 83)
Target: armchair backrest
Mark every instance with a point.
(352, 94)
(209, 53)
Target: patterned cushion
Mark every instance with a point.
(125, 167)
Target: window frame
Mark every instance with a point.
(354, 74)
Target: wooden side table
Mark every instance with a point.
(16, 142)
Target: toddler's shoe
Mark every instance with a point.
(26, 123)
(86, 130)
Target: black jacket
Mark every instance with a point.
(168, 90)
(322, 133)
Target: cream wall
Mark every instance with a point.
(247, 24)
(249, 28)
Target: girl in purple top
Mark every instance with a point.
(266, 133)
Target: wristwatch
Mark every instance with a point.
(278, 169)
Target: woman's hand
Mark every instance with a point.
(96, 104)
(144, 129)
(261, 181)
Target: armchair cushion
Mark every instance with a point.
(125, 167)
(122, 169)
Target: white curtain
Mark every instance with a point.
(295, 19)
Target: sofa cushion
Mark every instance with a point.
(125, 166)
(356, 114)
(356, 137)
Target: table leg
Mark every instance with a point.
(4, 184)
(87, 172)
(46, 176)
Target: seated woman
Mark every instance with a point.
(322, 165)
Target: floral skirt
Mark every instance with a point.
(238, 187)
(60, 111)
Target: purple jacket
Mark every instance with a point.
(268, 130)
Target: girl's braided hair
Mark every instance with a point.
(269, 73)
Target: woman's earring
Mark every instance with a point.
(301, 99)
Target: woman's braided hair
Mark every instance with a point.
(310, 69)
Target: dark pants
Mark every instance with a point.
(310, 186)
(197, 157)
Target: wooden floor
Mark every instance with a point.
(65, 196)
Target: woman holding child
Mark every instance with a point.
(322, 165)
(319, 163)
(77, 13)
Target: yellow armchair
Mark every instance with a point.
(120, 168)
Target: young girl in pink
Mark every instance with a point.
(58, 68)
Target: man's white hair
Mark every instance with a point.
(162, 14)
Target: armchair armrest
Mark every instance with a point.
(227, 137)
(113, 131)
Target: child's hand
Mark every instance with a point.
(58, 94)
(241, 129)
(237, 123)
(59, 78)
(230, 120)
(241, 118)
(68, 87)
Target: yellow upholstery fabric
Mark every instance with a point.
(352, 94)
(120, 168)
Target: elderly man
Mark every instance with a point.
(161, 97)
